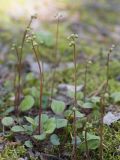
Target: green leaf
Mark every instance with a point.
(28, 129)
(93, 144)
(7, 111)
(40, 137)
(87, 105)
(57, 106)
(78, 140)
(30, 120)
(50, 126)
(95, 99)
(116, 97)
(70, 113)
(17, 129)
(92, 140)
(72, 95)
(54, 140)
(34, 92)
(80, 122)
(27, 103)
(7, 121)
(91, 136)
(60, 123)
(45, 102)
(28, 144)
(44, 118)
(79, 115)
(45, 37)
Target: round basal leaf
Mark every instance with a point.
(17, 129)
(50, 126)
(91, 136)
(35, 92)
(28, 129)
(27, 103)
(7, 111)
(78, 140)
(80, 122)
(68, 113)
(79, 115)
(93, 142)
(57, 106)
(60, 123)
(44, 118)
(30, 120)
(40, 137)
(95, 99)
(87, 105)
(7, 121)
(116, 97)
(28, 144)
(54, 139)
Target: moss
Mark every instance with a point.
(12, 153)
(112, 142)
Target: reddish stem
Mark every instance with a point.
(75, 103)
(41, 87)
(56, 53)
(19, 57)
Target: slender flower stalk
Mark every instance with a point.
(75, 104)
(102, 110)
(58, 17)
(72, 44)
(84, 98)
(17, 86)
(19, 53)
(85, 79)
(102, 103)
(34, 45)
(108, 69)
